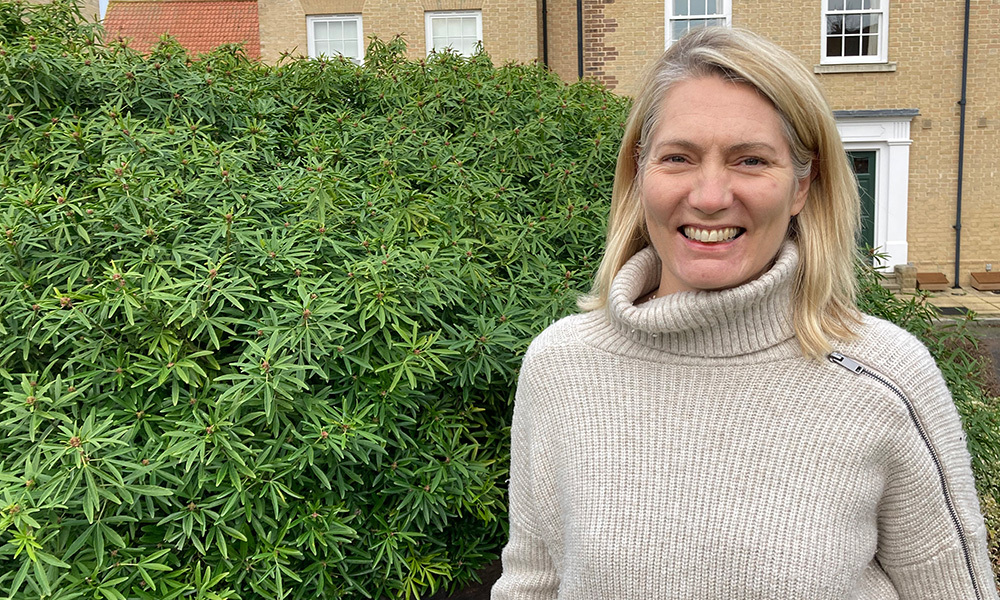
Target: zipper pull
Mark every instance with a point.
(847, 363)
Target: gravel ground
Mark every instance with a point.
(988, 333)
(480, 591)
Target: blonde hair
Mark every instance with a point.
(824, 286)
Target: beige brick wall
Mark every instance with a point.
(562, 38)
(981, 181)
(510, 28)
(283, 28)
(89, 9)
(638, 39)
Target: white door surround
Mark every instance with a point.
(887, 133)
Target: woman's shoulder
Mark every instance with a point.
(564, 346)
(561, 335)
(890, 350)
(553, 360)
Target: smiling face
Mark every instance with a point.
(718, 188)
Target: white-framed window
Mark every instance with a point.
(684, 15)
(335, 35)
(854, 31)
(459, 30)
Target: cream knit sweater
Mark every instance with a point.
(685, 449)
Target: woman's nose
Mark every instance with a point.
(712, 190)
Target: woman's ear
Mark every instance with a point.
(802, 187)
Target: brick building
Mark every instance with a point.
(894, 77)
(508, 29)
(892, 70)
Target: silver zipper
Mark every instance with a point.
(852, 365)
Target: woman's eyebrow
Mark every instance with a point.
(678, 143)
(731, 149)
(750, 147)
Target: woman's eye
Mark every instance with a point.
(752, 161)
(674, 159)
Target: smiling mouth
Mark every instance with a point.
(712, 236)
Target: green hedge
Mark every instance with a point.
(260, 324)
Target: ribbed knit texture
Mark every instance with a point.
(684, 448)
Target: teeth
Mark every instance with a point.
(709, 236)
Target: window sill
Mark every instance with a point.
(887, 67)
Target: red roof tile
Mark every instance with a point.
(199, 25)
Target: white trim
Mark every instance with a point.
(886, 67)
(311, 20)
(882, 55)
(429, 16)
(726, 13)
(889, 137)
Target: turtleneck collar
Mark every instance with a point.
(754, 317)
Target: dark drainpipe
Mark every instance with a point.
(961, 143)
(545, 33)
(579, 38)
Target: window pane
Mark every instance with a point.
(852, 45)
(438, 27)
(322, 48)
(712, 7)
(469, 27)
(835, 25)
(869, 45)
(697, 7)
(319, 30)
(351, 38)
(680, 8)
(836, 5)
(876, 4)
(833, 46)
(337, 30)
(716, 22)
(454, 27)
(853, 4)
(852, 24)
(679, 29)
(440, 43)
(869, 24)
(469, 46)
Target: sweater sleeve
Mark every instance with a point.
(932, 538)
(528, 570)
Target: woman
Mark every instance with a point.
(722, 422)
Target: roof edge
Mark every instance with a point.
(882, 113)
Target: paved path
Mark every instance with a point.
(986, 305)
